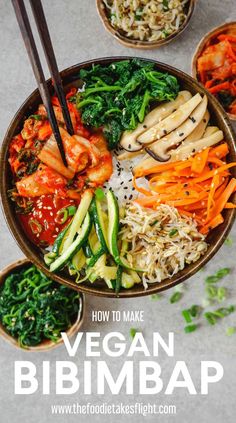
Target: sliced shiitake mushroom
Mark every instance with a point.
(129, 138)
(159, 149)
(210, 130)
(170, 123)
(185, 151)
(198, 132)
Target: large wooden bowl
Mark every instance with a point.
(47, 344)
(35, 254)
(205, 41)
(144, 45)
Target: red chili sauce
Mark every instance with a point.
(42, 225)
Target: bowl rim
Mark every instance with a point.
(47, 344)
(187, 272)
(138, 44)
(200, 46)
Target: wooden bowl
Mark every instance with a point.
(145, 45)
(205, 41)
(47, 344)
(35, 254)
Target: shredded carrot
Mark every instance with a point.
(200, 160)
(230, 206)
(216, 221)
(199, 187)
(223, 199)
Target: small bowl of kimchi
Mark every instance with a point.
(214, 65)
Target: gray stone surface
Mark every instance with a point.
(78, 35)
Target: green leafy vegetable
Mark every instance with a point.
(118, 96)
(33, 307)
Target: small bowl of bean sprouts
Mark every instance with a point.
(145, 24)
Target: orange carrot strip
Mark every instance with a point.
(213, 172)
(156, 169)
(219, 151)
(199, 161)
(216, 221)
(214, 186)
(223, 199)
(230, 206)
(139, 189)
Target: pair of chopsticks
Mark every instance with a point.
(27, 34)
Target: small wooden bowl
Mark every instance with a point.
(205, 41)
(144, 45)
(47, 344)
(70, 77)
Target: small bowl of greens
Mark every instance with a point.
(34, 310)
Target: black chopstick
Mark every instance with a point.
(31, 48)
(43, 31)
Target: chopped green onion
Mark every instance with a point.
(195, 310)
(221, 293)
(35, 226)
(223, 272)
(165, 5)
(187, 316)
(173, 232)
(154, 223)
(190, 328)
(211, 279)
(62, 216)
(229, 242)
(230, 330)
(175, 297)
(211, 291)
(210, 318)
(155, 297)
(133, 332)
(36, 117)
(71, 210)
(99, 194)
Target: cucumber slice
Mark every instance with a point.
(92, 260)
(79, 260)
(126, 281)
(57, 246)
(74, 247)
(118, 279)
(113, 228)
(78, 219)
(99, 223)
